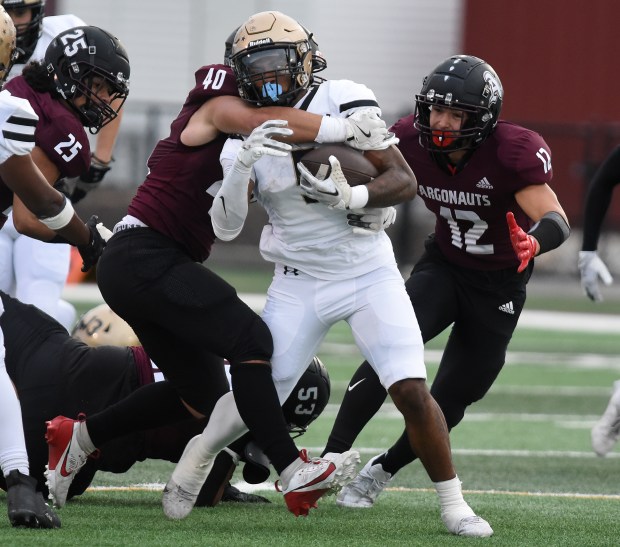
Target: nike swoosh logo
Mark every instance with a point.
(223, 205)
(64, 472)
(362, 131)
(352, 387)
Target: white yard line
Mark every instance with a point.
(565, 321)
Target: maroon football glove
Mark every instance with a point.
(523, 244)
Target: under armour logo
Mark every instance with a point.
(288, 270)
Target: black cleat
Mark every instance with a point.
(234, 494)
(26, 506)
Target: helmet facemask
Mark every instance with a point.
(272, 59)
(273, 75)
(88, 81)
(467, 137)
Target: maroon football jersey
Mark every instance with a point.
(470, 207)
(59, 133)
(173, 199)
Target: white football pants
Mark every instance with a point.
(300, 309)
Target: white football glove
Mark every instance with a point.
(333, 190)
(371, 220)
(591, 267)
(261, 142)
(367, 131)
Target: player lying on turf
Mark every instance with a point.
(57, 374)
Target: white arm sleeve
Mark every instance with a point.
(230, 205)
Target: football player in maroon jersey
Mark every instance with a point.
(33, 271)
(473, 172)
(20, 178)
(186, 316)
(66, 99)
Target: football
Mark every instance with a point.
(356, 167)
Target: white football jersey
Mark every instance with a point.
(52, 26)
(312, 237)
(18, 122)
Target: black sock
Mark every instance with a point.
(397, 456)
(259, 407)
(150, 406)
(211, 492)
(358, 406)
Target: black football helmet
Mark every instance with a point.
(272, 59)
(27, 33)
(304, 405)
(308, 399)
(465, 83)
(79, 55)
(228, 44)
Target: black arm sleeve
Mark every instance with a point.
(598, 199)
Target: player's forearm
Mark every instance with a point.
(230, 205)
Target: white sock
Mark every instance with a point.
(225, 426)
(84, 440)
(452, 501)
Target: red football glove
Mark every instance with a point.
(523, 244)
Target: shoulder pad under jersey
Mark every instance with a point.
(18, 123)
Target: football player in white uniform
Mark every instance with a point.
(19, 175)
(324, 272)
(43, 275)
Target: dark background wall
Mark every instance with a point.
(559, 64)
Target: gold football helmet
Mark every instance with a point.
(7, 44)
(102, 327)
(272, 59)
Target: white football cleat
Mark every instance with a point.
(187, 479)
(66, 457)
(606, 431)
(364, 489)
(306, 480)
(472, 526)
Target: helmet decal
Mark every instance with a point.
(493, 91)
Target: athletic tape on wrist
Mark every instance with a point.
(61, 219)
(332, 130)
(359, 197)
